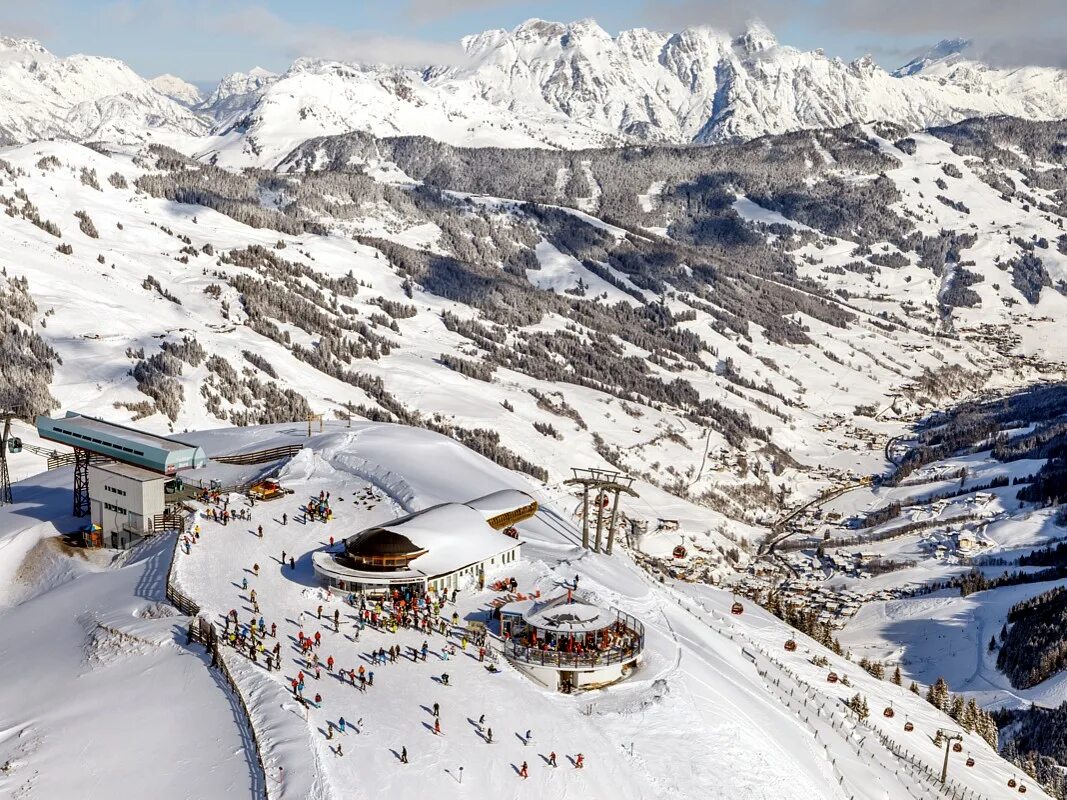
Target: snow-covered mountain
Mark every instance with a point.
(237, 92)
(84, 98)
(574, 85)
(945, 50)
(541, 84)
(177, 89)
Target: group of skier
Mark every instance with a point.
(403, 610)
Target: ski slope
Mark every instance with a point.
(692, 722)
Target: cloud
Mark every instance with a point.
(1004, 33)
(730, 16)
(1012, 33)
(327, 42)
(32, 21)
(283, 37)
(423, 11)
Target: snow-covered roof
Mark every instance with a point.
(501, 502)
(570, 618)
(453, 534)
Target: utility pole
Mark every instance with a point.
(950, 737)
(6, 496)
(585, 516)
(604, 483)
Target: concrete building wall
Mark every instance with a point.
(123, 506)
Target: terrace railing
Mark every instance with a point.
(558, 659)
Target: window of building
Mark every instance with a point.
(116, 509)
(114, 490)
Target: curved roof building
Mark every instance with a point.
(434, 548)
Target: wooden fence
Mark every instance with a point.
(260, 456)
(203, 630)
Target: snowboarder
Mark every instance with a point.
(444, 678)
(489, 736)
(579, 761)
(523, 772)
(481, 719)
(255, 569)
(552, 759)
(437, 727)
(529, 736)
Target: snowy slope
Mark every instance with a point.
(693, 721)
(101, 698)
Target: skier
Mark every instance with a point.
(244, 584)
(292, 563)
(255, 569)
(342, 723)
(274, 629)
(437, 726)
(319, 613)
(283, 558)
(403, 755)
(259, 530)
(552, 759)
(489, 736)
(329, 663)
(579, 761)
(285, 521)
(436, 710)
(481, 719)
(529, 736)
(575, 581)
(339, 753)
(523, 773)
(444, 678)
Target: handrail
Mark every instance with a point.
(557, 658)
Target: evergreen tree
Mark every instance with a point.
(897, 677)
(956, 708)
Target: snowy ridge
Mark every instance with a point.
(85, 98)
(574, 85)
(541, 84)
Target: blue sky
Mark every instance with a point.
(201, 40)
